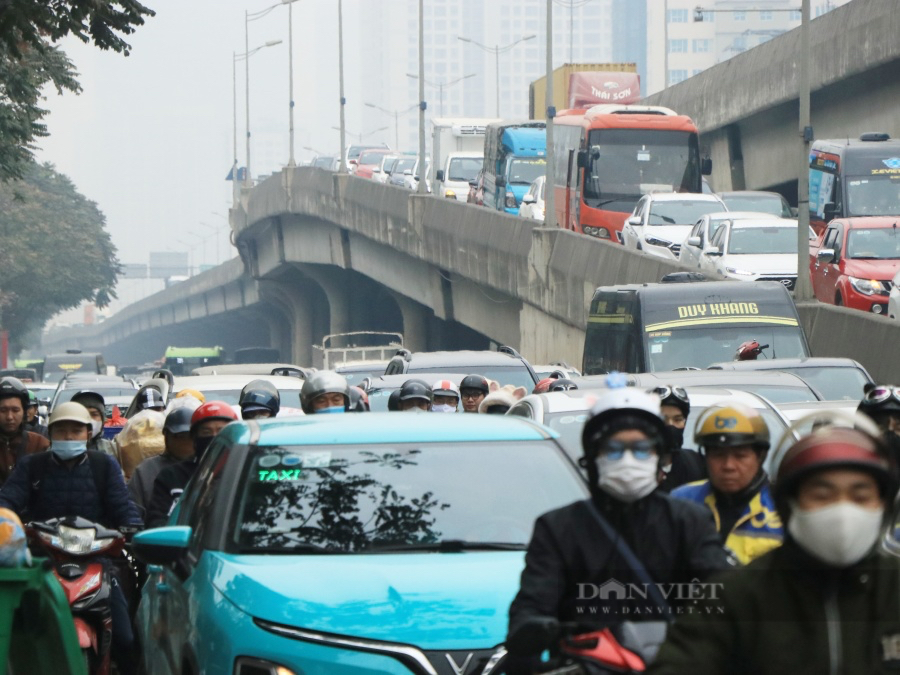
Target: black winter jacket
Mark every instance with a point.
(68, 491)
(570, 561)
(167, 489)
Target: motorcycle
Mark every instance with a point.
(75, 547)
(628, 647)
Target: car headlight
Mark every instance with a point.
(656, 241)
(743, 273)
(511, 200)
(450, 194)
(246, 665)
(865, 286)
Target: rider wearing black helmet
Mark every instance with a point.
(259, 398)
(678, 466)
(15, 440)
(882, 404)
(325, 392)
(359, 400)
(179, 447)
(415, 395)
(472, 391)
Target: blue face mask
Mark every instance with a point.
(68, 449)
(332, 409)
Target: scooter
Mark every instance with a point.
(75, 547)
(582, 650)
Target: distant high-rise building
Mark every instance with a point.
(684, 46)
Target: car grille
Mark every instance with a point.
(787, 282)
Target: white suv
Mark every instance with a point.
(662, 221)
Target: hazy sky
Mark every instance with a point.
(150, 138)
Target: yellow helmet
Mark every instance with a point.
(191, 392)
(731, 425)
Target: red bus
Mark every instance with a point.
(607, 157)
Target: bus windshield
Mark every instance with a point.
(628, 163)
(524, 171)
(699, 347)
(873, 243)
(762, 240)
(873, 196)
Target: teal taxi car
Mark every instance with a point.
(339, 544)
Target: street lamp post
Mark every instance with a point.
(549, 197)
(422, 187)
(803, 286)
(497, 50)
(396, 115)
(343, 165)
(290, 4)
(440, 86)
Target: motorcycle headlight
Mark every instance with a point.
(76, 540)
(743, 273)
(865, 286)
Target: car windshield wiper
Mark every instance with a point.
(451, 546)
(293, 549)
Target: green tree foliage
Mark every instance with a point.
(55, 251)
(29, 60)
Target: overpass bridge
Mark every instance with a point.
(324, 253)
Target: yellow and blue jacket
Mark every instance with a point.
(758, 529)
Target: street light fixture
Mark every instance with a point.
(440, 86)
(497, 50)
(700, 11)
(360, 136)
(396, 114)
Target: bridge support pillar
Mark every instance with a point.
(297, 309)
(415, 323)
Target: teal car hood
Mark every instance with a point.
(430, 600)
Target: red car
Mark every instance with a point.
(368, 161)
(854, 260)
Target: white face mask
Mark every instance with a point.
(97, 427)
(443, 408)
(839, 534)
(629, 478)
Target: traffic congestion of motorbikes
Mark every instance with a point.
(709, 521)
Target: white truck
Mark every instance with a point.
(457, 149)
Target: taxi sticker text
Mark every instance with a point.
(266, 475)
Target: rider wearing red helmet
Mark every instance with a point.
(206, 423)
(828, 599)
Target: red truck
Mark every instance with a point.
(854, 260)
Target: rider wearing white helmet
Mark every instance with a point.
(628, 532)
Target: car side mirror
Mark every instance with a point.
(634, 221)
(694, 241)
(714, 251)
(473, 183)
(528, 199)
(377, 169)
(829, 211)
(825, 255)
(439, 176)
(582, 159)
(706, 166)
(162, 545)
